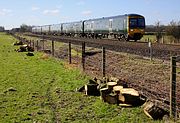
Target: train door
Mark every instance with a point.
(110, 26)
(92, 27)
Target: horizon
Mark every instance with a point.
(44, 12)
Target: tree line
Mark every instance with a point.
(2, 29)
(172, 29)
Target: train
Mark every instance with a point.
(128, 27)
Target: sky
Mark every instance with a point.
(14, 13)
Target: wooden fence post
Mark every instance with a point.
(83, 56)
(53, 47)
(43, 39)
(103, 61)
(30, 43)
(43, 44)
(173, 88)
(37, 45)
(150, 48)
(33, 45)
(69, 52)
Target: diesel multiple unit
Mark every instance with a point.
(129, 27)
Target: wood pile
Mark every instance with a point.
(25, 48)
(116, 91)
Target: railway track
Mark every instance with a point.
(161, 51)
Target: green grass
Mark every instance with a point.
(167, 39)
(33, 89)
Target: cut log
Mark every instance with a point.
(104, 92)
(121, 98)
(131, 96)
(23, 48)
(117, 89)
(125, 105)
(153, 111)
(111, 85)
(108, 97)
(129, 91)
(91, 90)
(112, 98)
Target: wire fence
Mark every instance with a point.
(156, 79)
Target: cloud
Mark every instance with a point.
(35, 8)
(4, 12)
(51, 12)
(87, 13)
(80, 3)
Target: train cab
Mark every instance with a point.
(136, 27)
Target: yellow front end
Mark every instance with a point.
(136, 27)
(136, 33)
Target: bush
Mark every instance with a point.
(174, 29)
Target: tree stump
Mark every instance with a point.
(131, 96)
(104, 92)
(91, 90)
(153, 111)
(111, 85)
(23, 48)
(112, 98)
(117, 89)
(108, 97)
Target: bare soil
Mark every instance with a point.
(150, 78)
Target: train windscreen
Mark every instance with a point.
(136, 23)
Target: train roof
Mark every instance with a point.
(125, 15)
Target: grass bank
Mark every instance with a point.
(42, 89)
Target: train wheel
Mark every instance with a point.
(96, 36)
(126, 37)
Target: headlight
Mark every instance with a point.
(131, 30)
